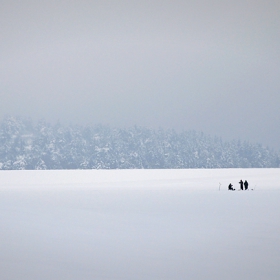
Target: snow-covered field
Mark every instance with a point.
(139, 224)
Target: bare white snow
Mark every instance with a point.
(139, 224)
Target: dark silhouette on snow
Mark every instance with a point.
(241, 185)
(246, 184)
(230, 187)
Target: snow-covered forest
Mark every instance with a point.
(25, 145)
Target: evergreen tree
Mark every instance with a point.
(44, 146)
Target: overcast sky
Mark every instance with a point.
(212, 66)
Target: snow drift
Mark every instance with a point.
(139, 224)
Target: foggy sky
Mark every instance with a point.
(212, 66)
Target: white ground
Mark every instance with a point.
(139, 224)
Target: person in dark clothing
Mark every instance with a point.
(230, 187)
(246, 184)
(241, 185)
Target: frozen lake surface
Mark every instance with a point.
(139, 224)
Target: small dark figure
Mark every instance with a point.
(230, 187)
(246, 184)
(241, 185)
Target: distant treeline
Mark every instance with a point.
(24, 145)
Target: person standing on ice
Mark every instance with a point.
(246, 184)
(241, 185)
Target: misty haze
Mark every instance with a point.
(152, 109)
(211, 66)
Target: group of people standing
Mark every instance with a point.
(243, 186)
